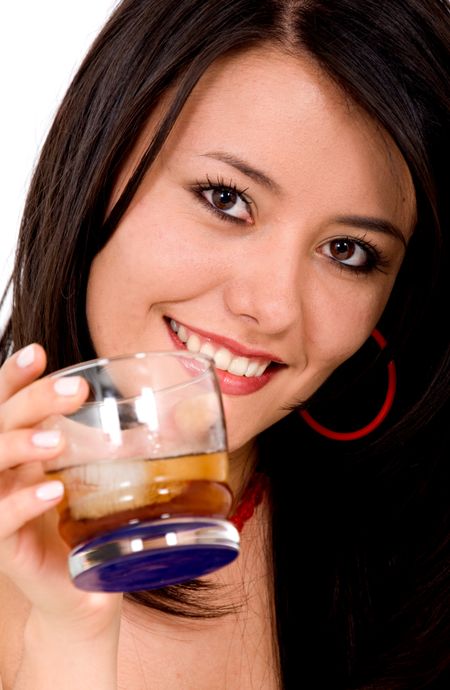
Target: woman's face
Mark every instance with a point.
(269, 234)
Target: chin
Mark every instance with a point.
(238, 438)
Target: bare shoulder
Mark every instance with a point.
(14, 609)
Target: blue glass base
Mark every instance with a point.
(150, 555)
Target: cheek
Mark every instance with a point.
(151, 258)
(162, 237)
(338, 321)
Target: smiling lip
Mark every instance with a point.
(240, 385)
(230, 384)
(232, 345)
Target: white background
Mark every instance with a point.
(42, 42)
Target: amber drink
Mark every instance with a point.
(145, 472)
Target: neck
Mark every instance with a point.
(243, 462)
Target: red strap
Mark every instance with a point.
(253, 495)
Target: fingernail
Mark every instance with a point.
(67, 386)
(25, 357)
(49, 491)
(46, 439)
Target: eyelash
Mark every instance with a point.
(376, 260)
(217, 186)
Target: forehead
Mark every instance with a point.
(284, 115)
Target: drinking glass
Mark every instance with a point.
(145, 471)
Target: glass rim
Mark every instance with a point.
(143, 354)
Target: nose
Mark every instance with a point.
(264, 285)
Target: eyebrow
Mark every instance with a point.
(245, 168)
(373, 225)
(366, 222)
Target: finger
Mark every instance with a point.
(26, 504)
(41, 399)
(28, 445)
(20, 369)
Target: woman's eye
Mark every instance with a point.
(228, 201)
(349, 253)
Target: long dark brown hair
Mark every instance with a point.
(360, 531)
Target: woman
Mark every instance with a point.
(269, 179)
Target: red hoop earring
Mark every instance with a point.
(387, 404)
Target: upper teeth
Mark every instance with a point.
(223, 358)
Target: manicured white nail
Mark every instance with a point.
(46, 439)
(25, 357)
(49, 491)
(67, 386)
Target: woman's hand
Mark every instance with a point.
(32, 554)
